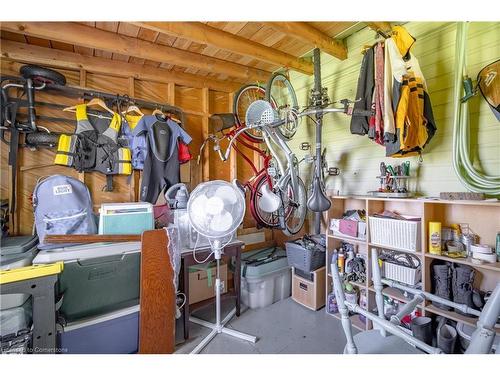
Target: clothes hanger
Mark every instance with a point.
(91, 103)
(133, 108)
(157, 112)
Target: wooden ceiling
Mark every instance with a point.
(219, 55)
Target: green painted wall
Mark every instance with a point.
(359, 158)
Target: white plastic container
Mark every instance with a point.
(400, 234)
(266, 277)
(465, 332)
(266, 289)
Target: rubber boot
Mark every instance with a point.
(441, 277)
(446, 337)
(463, 280)
(421, 328)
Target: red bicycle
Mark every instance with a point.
(229, 127)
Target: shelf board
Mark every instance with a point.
(354, 320)
(466, 261)
(417, 253)
(393, 293)
(348, 239)
(494, 203)
(472, 321)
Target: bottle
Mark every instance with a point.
(435, 237)
(348, 262)
(498, 246)
(340, 263)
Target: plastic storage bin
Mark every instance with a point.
(16, 252)
(303, 258)
(265, 283)
(405, 275)
(113, 333)
(16, 318)
(465, 332)
(399, 234)
(97, 278)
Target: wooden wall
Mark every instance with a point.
(197, 103)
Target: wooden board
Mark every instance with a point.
(157, 314)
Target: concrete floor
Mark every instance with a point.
(284, 327)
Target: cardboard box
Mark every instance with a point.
(310, 294)
(202, 281)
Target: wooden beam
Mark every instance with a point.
(381, 25)
(205, 34)
(68, 60)
(309, 34)
(87, 36)
(205, 103)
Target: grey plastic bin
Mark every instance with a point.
(112, 333)
(16, 252)
(97, 278)
(304, 259)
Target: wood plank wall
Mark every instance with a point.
(35, 164)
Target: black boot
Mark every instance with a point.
(441, 277)
(462, 284)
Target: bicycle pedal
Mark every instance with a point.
(304, 146)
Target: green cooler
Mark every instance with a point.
(97, 278)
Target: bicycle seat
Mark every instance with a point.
(222, 121)
(318, 201)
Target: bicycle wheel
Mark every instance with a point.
(264, 219)
(280, 91)
(245, 96)
(294, 208)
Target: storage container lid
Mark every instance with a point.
(257, 264)
(12, 261)
(17, 245)
(81, 252)
(90, 321)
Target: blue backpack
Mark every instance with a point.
(62, 205)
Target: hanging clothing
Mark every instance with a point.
(94, 145)
(408, 120)
(364, 93)
(161, 166)
(377, 131)
(136, 142)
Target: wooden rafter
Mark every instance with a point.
(309, 34)
(379, 26)
(91, 37)
(205, 34)
(68, 60)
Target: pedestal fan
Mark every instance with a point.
(215, 210)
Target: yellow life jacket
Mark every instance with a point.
(91, 150)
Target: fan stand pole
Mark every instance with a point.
(218, 327)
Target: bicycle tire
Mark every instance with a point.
(242, 99)
(40, 74)
(42, 139)
(288, 228)
(264, 219)
(279, 91)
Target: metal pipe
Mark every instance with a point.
(407, 309)
(483, 337)
(462, 307)
(393, 329)
(377, 284)
(319, 126)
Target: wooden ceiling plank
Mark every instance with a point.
(383, 26)
(69, 60)
(204, 34)
(94, 38)
(309, 34)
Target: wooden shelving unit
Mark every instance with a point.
(483, 218)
